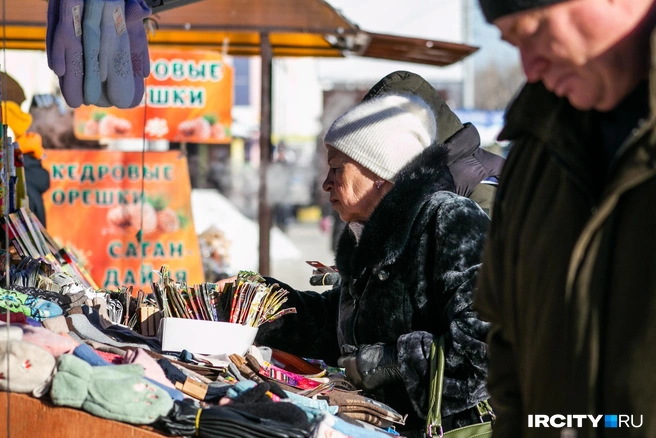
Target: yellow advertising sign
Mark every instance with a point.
(188, 98)
(94, 208)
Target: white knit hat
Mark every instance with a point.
(385, 133)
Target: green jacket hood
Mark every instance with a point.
(407, 82)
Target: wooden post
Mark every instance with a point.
(264, 209)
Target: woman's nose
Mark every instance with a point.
(327, 183)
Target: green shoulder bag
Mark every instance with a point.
(434, 418)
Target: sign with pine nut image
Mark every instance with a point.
(94, 207)
(188, 98)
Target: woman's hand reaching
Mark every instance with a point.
(370, 366)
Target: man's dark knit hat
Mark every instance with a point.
(493, 9)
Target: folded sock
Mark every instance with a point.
(77, 299)
(312, 407)
(234, 372)
(14, 317)
(106, 348)
(76, 337)
(52, 342)
(112, 358)
(88, 355)
(121, 333)
(61, 300)
(83, 328)
(42, 309)
(75, 311)
(173, 374)
(30, 306)
(33, 322)
(151, 367)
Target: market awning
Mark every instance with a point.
(295, 28)
(265, 28)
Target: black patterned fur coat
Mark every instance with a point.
(410, 278)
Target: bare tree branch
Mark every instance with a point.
(496, 86)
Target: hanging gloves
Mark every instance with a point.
(91, 36)
(66, 55)
(100, 71)
(115, 60)
(135, 13)
(370, 366)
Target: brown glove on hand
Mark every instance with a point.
(370, 366)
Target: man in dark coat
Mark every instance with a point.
(407, 268)
(568, 279)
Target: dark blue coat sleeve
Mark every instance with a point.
(311, 332)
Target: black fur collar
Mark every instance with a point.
(386, 233)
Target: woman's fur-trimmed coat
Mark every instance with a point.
(410, 278)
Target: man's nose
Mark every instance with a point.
(534, 66)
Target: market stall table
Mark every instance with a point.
(38, 418)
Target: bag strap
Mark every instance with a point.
(434, 417)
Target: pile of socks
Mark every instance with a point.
(99, 50)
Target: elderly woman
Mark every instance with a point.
(407, 261)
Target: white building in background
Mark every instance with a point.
(431, 19)
(30, 69)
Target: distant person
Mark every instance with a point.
(36, 177)
(283, 212)
(407, 263)
(568, 279)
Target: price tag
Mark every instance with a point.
(77, 20)
(119, 20)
